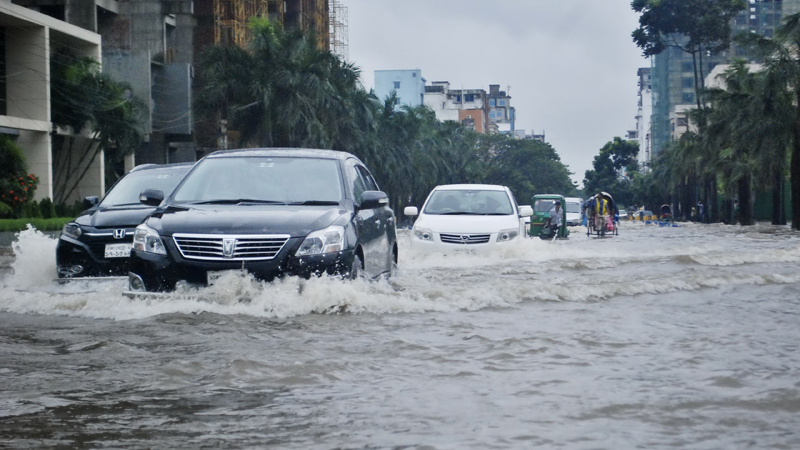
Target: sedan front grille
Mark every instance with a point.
(464, 238)
(223, 247)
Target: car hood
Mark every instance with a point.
(251, 219)
(467, 224)
(115, 217)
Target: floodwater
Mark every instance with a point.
(658, 338)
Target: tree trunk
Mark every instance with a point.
(712, 207)
(778, 212)
(795, 168)
(745, 205)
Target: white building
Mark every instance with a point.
(644, 116)
(468, 106)
(30, 38)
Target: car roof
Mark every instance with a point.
(296, 152)
(175, 166)
(456, 187)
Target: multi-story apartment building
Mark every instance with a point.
(644, 114)
(155, 45)
(408, 85)
(468, 106)
(673, 70)
(28, 40)
(501, 113)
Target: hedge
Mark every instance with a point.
(54, 224)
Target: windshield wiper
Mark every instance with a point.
(237, 201)
(315, 203)
(495, 214)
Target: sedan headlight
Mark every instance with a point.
(423, 234)
(329, 240)
(72, 230)
(507, 235)
(146, 239)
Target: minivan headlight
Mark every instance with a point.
(329, 240)
(423, 234)
(146, 239)
(507, 235)
(72, 230)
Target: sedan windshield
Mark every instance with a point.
(574, 208)
(262, 180)
(543, 205)
(472, 202)
(126, 191)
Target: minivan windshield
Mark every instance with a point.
(126, 191)
(573, 208)
(259, 179)
(472, 202)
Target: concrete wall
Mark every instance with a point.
(37, 146)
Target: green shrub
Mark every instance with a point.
(30, 210)
(15, 225)
(65, 210)
(5, 211)
(47, 209)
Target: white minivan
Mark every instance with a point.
(573, 211)
(467, 216)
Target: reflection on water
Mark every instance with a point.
(657, 338)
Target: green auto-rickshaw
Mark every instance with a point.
(540, 221)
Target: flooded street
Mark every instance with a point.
(658, 338)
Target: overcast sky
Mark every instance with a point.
(571, 64)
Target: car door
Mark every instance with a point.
(366, 222)
(384, 218)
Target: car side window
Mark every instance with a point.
(357, 185)
(369, 182)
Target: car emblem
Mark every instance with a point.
(227, 247)
(464, 238)
(119, 234)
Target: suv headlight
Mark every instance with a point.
(329, 240)
(146, 239)
(423, 234)
(507, 235)
(72, 230)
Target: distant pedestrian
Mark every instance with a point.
(600, 213)
(700, 212)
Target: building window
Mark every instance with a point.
(491, 102)
(399, 101)
(501, 103)
(498, 114)
(469, 97)
(687, 67)
(397, 85)
(688, 82)
(682, 121)
(458, 99)
(414, 74)
(491, 114)
(687, 98)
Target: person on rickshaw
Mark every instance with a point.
(666, 213)
(601, 212)
(589, 208)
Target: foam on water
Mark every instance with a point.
(581, 269)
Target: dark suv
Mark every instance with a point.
(98, 242)
(268, 212)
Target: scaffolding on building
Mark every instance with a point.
(231, 17)
(338, 43)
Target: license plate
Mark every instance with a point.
(213, 275)
(118, 250)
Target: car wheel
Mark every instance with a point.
(356, 269)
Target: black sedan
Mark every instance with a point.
(98, 242)
(267, 212)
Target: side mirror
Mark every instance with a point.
(525, 211)
(90, 202)
(151, 197)
(373, 199)
(411, 211)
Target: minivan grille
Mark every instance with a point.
(464, 238)
(239, 247)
